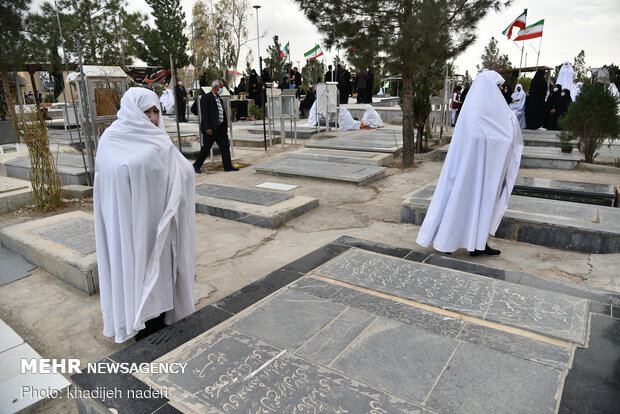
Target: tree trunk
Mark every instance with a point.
(408, 126)
(9, 100)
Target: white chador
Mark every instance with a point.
(565, 77)
(518, 107)
(167, 101)
(346, 121)
(144, 221)
(372, 118)
(479, 172)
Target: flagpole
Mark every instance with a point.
(539, 47)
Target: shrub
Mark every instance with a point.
(592, 119)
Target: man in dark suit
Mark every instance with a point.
(181, 101)
(213, 124)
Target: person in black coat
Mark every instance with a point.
(552, 108)
(181, 101)
(253, 84)
(535, 104)
(507, 93)
(369, 86)
(284, 84)
(213, 124)
(242, 87)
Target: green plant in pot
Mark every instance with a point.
(255, 112)
(566, 140)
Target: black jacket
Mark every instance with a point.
(210, 115)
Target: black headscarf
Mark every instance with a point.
(535, 111)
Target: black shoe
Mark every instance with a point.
(231, 169)
(487, 250)
(196, 169)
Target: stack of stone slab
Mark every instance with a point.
(542, 150)
(14, 194)
(362, 327)
(70, 167)
(261, 208)
(587, 193)
(551, 223)
(357, 158)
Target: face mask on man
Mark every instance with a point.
(180, 83)
(555, 89)
(563, 93)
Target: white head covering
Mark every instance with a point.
(346, 121)
(479, 172)
(519, 94)
(372, 118)
(167, 100)
(565, 77)
(144, 211)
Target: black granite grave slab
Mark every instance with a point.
(289, 319)
(316, 258)
(508, 343)
(551, 314)
(481, 381)
(401, 359)
(232, 372)
(593, 383)
(552, 223)
(255, 291)
(472, 267)
(587, 193)
(78, 235)
(373, 246)
(244, 195)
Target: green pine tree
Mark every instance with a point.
(274, 63)
(167, 38)
(413, 38)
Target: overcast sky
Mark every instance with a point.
(570, 26)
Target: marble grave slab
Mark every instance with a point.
(587, 193)
(14, 193)
(550, 314)
(348, 157)
(362, 142)
(354, 173)
(539, 157)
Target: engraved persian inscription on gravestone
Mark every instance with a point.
(244, 195)
(78, 235)
(232, 371)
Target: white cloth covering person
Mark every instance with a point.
(518, 104)
(478, 174)
(566, 76)
(346, 121)
(167, 101)
(372, 118)
(577, 90)
(144, 211)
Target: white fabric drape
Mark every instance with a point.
(479, 172)
(167, 101)
(346, 121)
(518, 108)
(577, 90)
(144, 221)
(565, 77)
(371, 118)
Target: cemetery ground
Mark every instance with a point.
(61, 321)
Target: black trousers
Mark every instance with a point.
(181, 110)
(220, 135)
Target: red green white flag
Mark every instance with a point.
(284, 53)
(313, 53)
(531, 32)
(518, 22)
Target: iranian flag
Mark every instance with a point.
(531, 32)
(284, 53)
(313, 53)
(518, 22)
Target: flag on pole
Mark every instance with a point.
(518, 22)
(531, 32)
(313, 53)
(284, 53)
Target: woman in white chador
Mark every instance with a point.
(518, 104)
(371, 118)
(478, 175)
(565, 77)
(144, 211)
(346, 121)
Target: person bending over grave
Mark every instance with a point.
(144, 211)
(478, 175)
